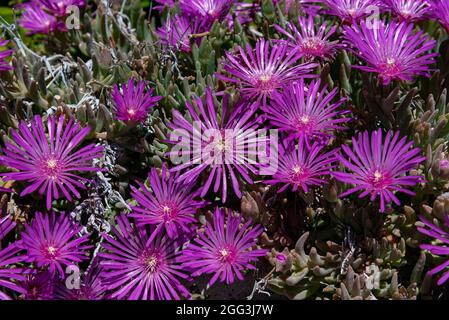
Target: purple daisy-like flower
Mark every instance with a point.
(408, 10)
(59, 8)
(51, 241)
(141, 266)
(208, 11)
(38, 286)
(379, 167)
(131, 104)
(441, 248)
(392, 50)
(351, 11)
(176, 32)
(48, 162)
(266, 69)
(221, 149)
(36, 20)
(4, 65)
(312, 42)
(439, 10)
(223, 250)
(306, 111)
(9, 256)
(170, 206)
(302, 167)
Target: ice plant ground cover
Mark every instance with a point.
(211, 149)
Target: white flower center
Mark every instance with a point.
(304, 119)
(265, 78)
(391, 61)
(224, 253)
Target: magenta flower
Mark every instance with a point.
(208, 11)
(439, 10)
(441, 248)
(392, 51)
(306, 111)
(219, 149)
(176, 31)
(38, 286)
(141, 266)
(131, 103)
(59, 8)
(9, 256)
(408, 10)
(36, 20)
(224, 250)
(350, 11)
(4, 65)
(170, 206)
(312, 42)
(48, 162)
(51, 241)
(379, 167)
(302, 167)
(266, 69)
